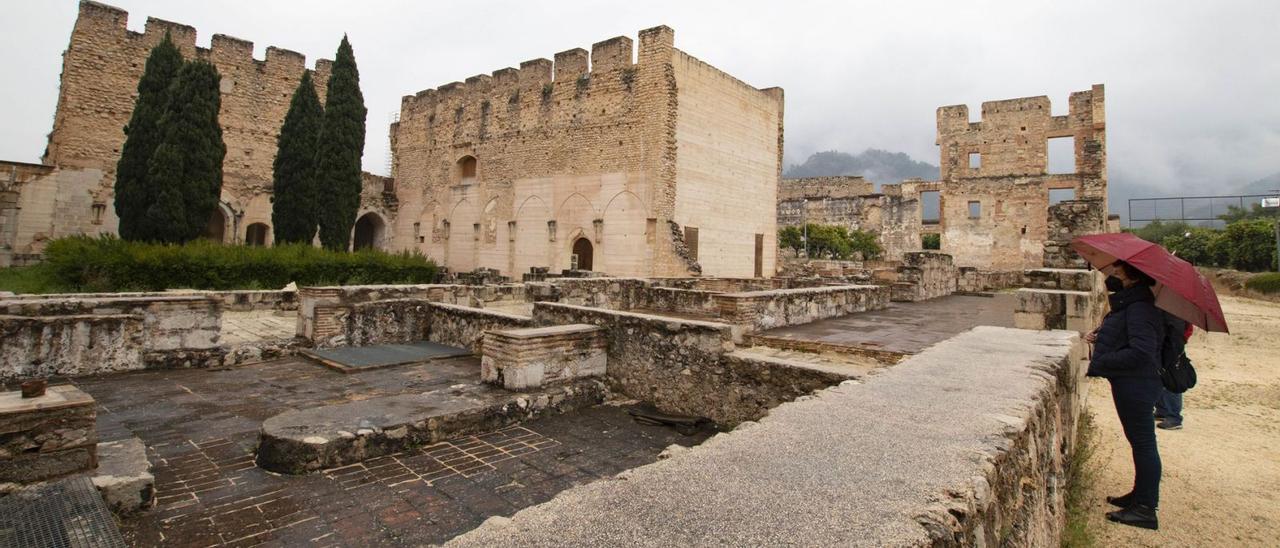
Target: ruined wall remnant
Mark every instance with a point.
(597, 154)
(1068, 220)
(71, 336)
(993, 196)
(523, 359)
(47, 437)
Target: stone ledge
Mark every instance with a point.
(301, 441)
(124, 476)
(962, 444)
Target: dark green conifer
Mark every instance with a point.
(339, 152)
(133, 194)
(294, 194)
(186, 169)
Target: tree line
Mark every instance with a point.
(1248, 242)
(829, 241)
(169, 176)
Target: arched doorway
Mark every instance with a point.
(256, 234)
(216, 230)
(581, 259)
(368, 232)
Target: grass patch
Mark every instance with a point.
(1268, 284)
(28, 279)
(1082, 476)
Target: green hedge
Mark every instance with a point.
(1265, 283)
(1247, 245)
(111, 264)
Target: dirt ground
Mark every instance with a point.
(1221, 482)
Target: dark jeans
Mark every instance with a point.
(1134, 398)
(1169, 406)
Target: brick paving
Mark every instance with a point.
(200, 428)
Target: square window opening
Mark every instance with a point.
(1062, 155)
(975, 160)
(1057, 195)
(930, 207)
(975, 210)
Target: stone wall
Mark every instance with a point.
(852, 202)
(991, 475)
(761, 310)
(239, 300)
(73, 336)
(922, 275)
(323, 311)
(1056, 309)
(47, 437)
(406, 320)
(465, 327)
(523, 359)
(674, 300)
(1068, 220)
(974, 280)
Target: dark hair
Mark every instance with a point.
(1133, 273)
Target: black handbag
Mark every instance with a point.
(1180, 376)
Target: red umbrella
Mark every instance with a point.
(1180, 289)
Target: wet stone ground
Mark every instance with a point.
(201, 426)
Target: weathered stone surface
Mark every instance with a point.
(300, 441)
(46, 437)
(124, 476)
(522, 359)
(1079, 311)
(70, 335)
(761, 310)
(859, 464)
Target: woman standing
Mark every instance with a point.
(1127, 353)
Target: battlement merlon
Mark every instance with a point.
(112, 22)
(613, 54)
(1086, 109)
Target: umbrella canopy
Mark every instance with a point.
(1180, 289)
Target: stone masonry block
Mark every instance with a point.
(47, 437)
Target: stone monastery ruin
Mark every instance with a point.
(660, 373)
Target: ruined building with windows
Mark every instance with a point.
(645, 163)
(997, 205)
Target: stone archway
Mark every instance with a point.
(216, 230)
(583, 251)
(256, 234)
(368, 232)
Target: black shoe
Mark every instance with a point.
(1136, 516)
(1169, 425)
(1122, 501)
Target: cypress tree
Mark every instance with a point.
(133, 194)
(186, 169)
(294, 194)
(338, 156)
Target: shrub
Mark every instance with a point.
(1159, 231)
(111, 264)
(931, 241)
(1250, 245)
(1199, 246)
(1268, 283)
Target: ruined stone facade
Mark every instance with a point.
(72, 192)
(994, 190)
(659, 166)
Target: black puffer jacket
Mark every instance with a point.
(1130, 337)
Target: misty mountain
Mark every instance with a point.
(879, 166)
(1265, 185)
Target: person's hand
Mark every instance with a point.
(1091, 337)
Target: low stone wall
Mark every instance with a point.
(972, 280)
(610, 293)
(1070, 279)
(1076, 311)
(521, 359)
(232, 300)
(323, 311)
(695, 302)
(47, 437)
(465, 327)
(761, 310)
(83, 336)
(863, 463)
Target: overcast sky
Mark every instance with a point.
(1193, 88)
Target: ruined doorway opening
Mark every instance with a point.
(467, 170)
(256, 234)
(368, 232)
(216, 230)
(581, 258)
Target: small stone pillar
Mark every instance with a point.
(47, 437)
(525, 359)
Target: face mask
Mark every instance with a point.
(1114, 284)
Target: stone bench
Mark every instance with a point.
(522, 359)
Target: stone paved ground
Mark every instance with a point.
(200, 428)
(257, 325)
(907, 327)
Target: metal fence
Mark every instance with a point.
(1193, 210)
